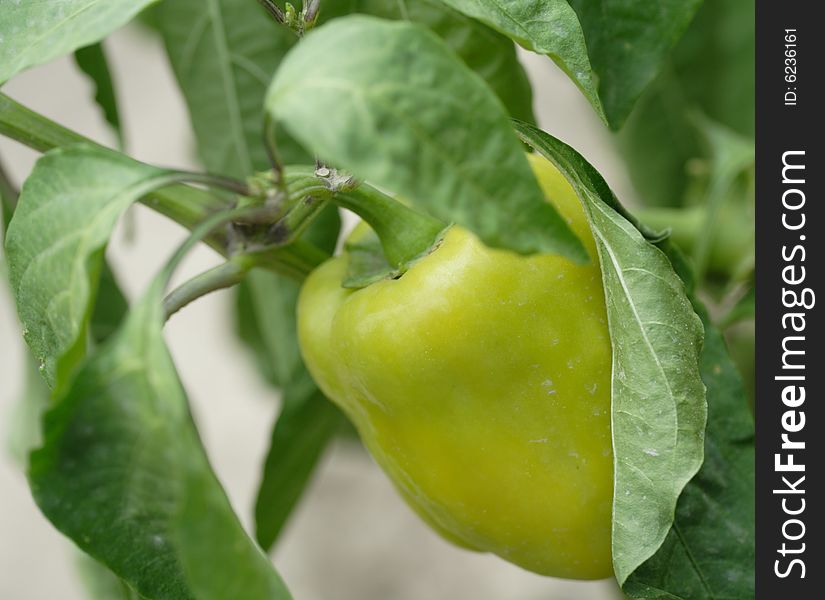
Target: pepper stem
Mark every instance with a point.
(405, 233)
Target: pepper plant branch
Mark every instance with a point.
(223, 276)
(8, 196)
(274, 10)
(688, 228)
(186, 205)
(272, 149)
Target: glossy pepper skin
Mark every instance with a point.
(480, 382)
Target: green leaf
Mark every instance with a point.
(548, 27)
(24, 424)
(709, 552)
(224, 53)
(32, 33)
(92, 61)
(54, 246)
(122, 473)
(485, 51)
(390, 102)
(110, 306)
(304, 427)
(628, 41)
(658, 399)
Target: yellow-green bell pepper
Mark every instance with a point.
(480, 382)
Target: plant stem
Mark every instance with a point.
(688, 226)
(186, 205)
(223, 276)
(298, 217)
(274, 11)
(271, 147)
(183, 204)
(8, 197)
(405, 234)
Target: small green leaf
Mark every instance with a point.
(628, 41)
(304, 427)
(224, 53)
(109, 307)
(32, 33)
(122, 473)
(488, 53)
(658, 399)
(367, 263)
(390, 102)
(709, 552)
(92, 61)
(548, 27)
(68, 207)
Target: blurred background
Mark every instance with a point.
(351, 537)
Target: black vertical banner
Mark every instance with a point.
(790, 400)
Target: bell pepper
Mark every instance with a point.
(480, 382)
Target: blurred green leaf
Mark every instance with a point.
(92, 61)
(110, 306)
(711, 71)
(32, 33)
(744, 309)
(730, 155)
(122, 473)
(709, 552)
(224, 53)
(391, 103)
(628, 41)
(303, 428)
(715, 63)
(100, 583)
(488, 53)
